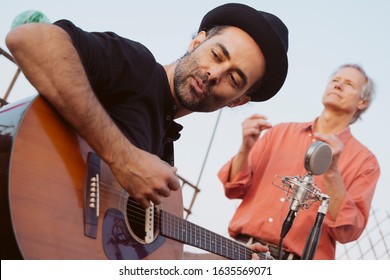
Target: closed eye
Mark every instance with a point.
(223, 54)
(234, 80)
(215, 55)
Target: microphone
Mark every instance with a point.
(316, 161)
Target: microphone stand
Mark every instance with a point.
(315, 233)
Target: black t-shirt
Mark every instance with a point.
(132, 87)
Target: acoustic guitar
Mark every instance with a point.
(60, 201)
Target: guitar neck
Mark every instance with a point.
(188, 233)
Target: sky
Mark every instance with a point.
(322, 36)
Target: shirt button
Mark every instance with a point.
(282, 199)
(168, 118)
(175, 107)
(270, 220)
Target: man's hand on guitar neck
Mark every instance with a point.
(258, 248)
(210, 256)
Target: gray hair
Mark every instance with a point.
(368, 90)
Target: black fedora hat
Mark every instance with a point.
(267, 30)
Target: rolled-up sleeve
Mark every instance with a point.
(241, 183)
(353, 215)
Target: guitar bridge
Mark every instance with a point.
(91, 196)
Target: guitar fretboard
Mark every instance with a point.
(188, 233)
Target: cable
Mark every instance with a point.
(209, 147)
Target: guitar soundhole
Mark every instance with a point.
(136, 220)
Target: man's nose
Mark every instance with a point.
(211, 78)
(215, 75)
(339, 85)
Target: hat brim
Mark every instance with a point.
(261, 27)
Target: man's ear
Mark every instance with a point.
(239, 101)
(362, 104)
(197, 40)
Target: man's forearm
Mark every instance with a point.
(46, 55)
(336, 190)
(239, 163)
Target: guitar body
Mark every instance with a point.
(43, 180)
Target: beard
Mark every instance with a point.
(186, 69)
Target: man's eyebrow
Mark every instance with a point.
(238, 70)
(224, 50)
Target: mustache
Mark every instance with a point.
(204, 78)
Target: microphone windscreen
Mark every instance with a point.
(318, 158)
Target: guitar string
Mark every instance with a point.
(232, 248)
(228, 244)
(108, 192)
(136, 215)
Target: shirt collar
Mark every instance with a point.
(343, 135)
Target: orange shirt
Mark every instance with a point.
(280, 151)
